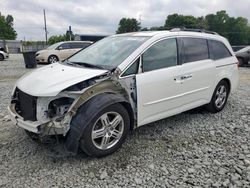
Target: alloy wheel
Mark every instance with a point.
(107, 130)
(221, 96)
(53, 59)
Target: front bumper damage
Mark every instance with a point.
(18, 120)
(55, 126)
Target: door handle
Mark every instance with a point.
(182, 78)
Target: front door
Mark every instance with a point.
(64, 51)
(158, 91)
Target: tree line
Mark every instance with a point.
(7, 31)
(236, 30)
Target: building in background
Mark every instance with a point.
(11, 46)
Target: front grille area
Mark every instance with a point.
(25, 105)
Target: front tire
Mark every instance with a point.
(219, 98)
(53, 59)
(1, 57)
(106, 131)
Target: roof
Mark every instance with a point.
(143, 33)
(166, 33)
(73, 41)
(92, 35)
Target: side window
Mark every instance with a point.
(64, 46)
(79, 45)
(218, 50)
(74, 45)
(193, 49)
(84, 45)
(133, 69)
(161, 55)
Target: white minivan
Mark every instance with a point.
(122, 82)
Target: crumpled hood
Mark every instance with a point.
(52, 79)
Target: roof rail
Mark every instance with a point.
(194, 30)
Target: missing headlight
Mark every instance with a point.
(80, 86)
(59, 107)
(84, 84)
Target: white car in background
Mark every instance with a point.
(60, 51)
(123, 82)
(3, 54)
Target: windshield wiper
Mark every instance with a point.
(85, 64)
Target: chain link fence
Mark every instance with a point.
(17, 46)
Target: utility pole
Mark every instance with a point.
(140, 18)
(45, 26)
(70, 33)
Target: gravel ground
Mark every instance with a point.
(193, 149)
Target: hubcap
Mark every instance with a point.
(221, 96)
(107, 130)
(53, 59)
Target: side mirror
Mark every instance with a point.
(248, 51)
(60, 48)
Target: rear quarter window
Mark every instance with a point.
(218, 50)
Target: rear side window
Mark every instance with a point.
(79, 45)
(64, 46)
(193, 49)
(161, 55)
(218, 50)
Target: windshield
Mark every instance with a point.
(53, 46)
(108, 52)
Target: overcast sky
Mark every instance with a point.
(102, 17)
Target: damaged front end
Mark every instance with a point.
(41, 115)
(53, 115)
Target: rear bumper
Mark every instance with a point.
(27, 125)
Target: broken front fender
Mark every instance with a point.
(85, 114)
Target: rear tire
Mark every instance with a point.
(105, 132)
(219, 98)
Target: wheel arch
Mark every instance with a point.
(89, 109)
(130, 111)
(228, 83)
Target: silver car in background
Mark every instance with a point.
(60, 51)
(3, 54)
